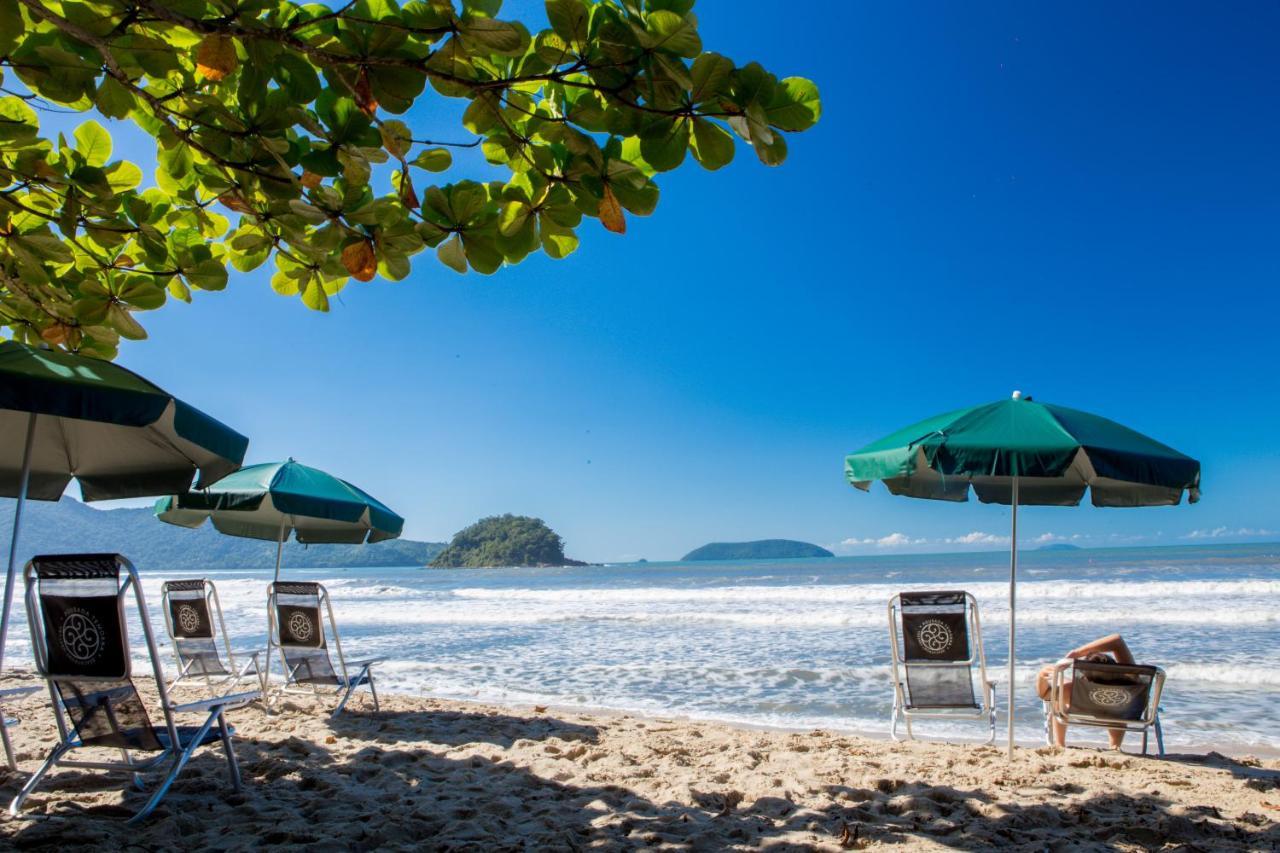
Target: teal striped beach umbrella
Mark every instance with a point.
(65, 416)
(276, 499)
(1021, 452)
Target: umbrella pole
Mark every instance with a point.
(280, 545)
(17, 521)
(1013, 587)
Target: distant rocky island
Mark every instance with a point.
(69, 526)
(501, 541)
(762, 549)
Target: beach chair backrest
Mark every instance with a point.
(936, 649)
(299, 627)
(1111, 690)
(191, 613)
(75, 605)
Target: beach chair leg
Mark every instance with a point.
(893, 719)
(138, 781)
(233, 766)
(1159, 737)
(179, 762)
(373, 691)
(342, 703)
(8, 744)
(58, 751)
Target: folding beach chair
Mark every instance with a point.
(75, 608)
(296, 626)
(1108, 696)
(193, 617)
(936, 640)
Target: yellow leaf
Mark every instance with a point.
(611, 215)
(216, 57)
(360, 260)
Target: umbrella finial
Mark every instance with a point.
(1017, 395)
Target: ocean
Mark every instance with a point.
(799, 644)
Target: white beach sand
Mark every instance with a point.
(430, 774)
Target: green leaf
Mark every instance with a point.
(112, 99)
(122, 176)
(710, 74)
(795, 105)
(712, 144)
(11, 26)
(664, 144)
(314, 296)
(120, 319)
(569, 19)
(451, 254)
(94, 143)
(433, 159)
(673, 33)
(208, 274)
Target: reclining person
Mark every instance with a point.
(1109, 649)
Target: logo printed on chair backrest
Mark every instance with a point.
(934, 636)
(188, 618)
(1109, 697)
(81, 636)
(300, 626)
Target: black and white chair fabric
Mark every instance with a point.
(936, 642)
(76, 611)
(1107, 696)
(193, 617)
(296, 616)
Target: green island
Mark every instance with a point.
(505, 541)
(761, 549)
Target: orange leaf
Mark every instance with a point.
(216, 57)
(365, 100)
(407, 195)
(55, 334)
(310, 180)
(234, 202)
(611, 215)
(360, 260)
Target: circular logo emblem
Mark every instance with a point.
(934, 637)
(82, 637)
(1109, 697)
(300, 627)
(188, 618)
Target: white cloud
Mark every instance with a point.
(1046, 538)
(1219, 532)
(892, 540)
(978, 537)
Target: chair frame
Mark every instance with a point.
(903, 713)
(348, 684)
(175, 752)
(235, 673)
(1056, 710)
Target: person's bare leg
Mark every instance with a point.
(1060, 729)
(1117, 738)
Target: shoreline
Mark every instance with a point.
(467, 775)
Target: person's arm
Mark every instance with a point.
(1112, 644)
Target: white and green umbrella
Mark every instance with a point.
(66, 416)
(277, 499)
(1020, 452)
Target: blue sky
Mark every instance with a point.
(1081, 202)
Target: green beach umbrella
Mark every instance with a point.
(276, 499)
(67, 416)
(1022, 452)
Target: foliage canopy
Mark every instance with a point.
(277, 140)
(504, 540)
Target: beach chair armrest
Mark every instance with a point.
(231, 700)
(364, 663)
